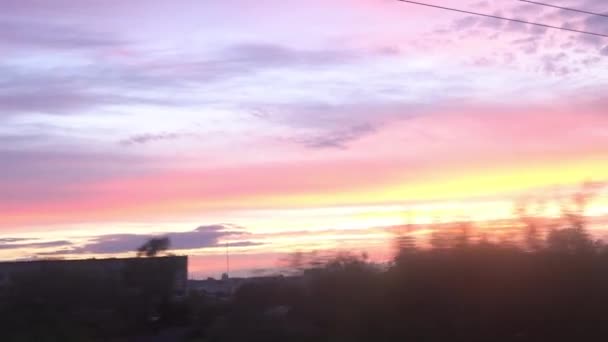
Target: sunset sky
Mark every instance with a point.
(278, 126)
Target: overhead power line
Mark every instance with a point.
(565, 8)
(504, 18)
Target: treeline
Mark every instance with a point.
(549, 284)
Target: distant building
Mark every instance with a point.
(223, 288)
(119, 270)
(226, 287)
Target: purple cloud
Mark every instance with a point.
(201, 237)
(465, 23)
(337, 139)
(258, 55)
(10, 244)
(556, 64)
(61, 100)
(481, 4)
(145, 138)
(243, 59)
(331, 126)
(69, 90)
(36, 34)
(597, 24)
(12, 240)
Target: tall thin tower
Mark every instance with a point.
(227, 259)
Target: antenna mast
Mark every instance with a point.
(227, 259)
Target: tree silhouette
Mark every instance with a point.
(154, 246)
